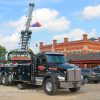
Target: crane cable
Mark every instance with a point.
(25, 19)
(31, 19)
(35, 14)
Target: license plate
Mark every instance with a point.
(75, 84)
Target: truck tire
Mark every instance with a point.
(50, 87)
(5, 80)
(10, 79)
(74, 89)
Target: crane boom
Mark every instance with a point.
(29, 16)
(26, 34)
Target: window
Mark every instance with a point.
(95, 51)
(70, 52)
(56, 58)
(96, 71)
(74, 52)
(78, 52)
(43, 59)
(82, 70)
(88, 51)
(91, 51)
(79, 65)
(87, 71)
(82, 52)
(67, 53)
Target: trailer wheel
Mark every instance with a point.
(50, 87)
(74, 89)
(5, 79)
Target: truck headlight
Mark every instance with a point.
(81, 76)
(61, 78)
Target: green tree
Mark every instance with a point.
(3, 52)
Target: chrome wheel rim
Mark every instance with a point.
(9, 78)
(3, 80)
(49, 86)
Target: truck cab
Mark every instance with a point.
(53, 72)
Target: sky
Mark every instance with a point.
(58, 18)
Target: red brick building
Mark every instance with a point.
(83, 46)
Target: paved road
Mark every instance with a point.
(90, 91)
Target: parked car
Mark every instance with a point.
(91, 75)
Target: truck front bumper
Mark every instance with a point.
(71, 84)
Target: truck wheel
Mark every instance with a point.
(50, 87)
(10, 79)
(74, 89)
(5, 80)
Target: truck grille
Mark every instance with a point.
(73, 75)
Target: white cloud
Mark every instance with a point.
(91, 12)
(17, 25)
(10, 42)
(46, 17)
(92, 33)
(76, 34)
(59, 37)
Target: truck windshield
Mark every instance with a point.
(56, 58)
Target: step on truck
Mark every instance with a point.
(46, 69)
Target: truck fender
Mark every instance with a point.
(52, 75)
(10, 77)
(11, 74)
(1, 74)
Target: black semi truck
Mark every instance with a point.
(47, 69)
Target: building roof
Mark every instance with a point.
(93, 39)
(80, 57)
